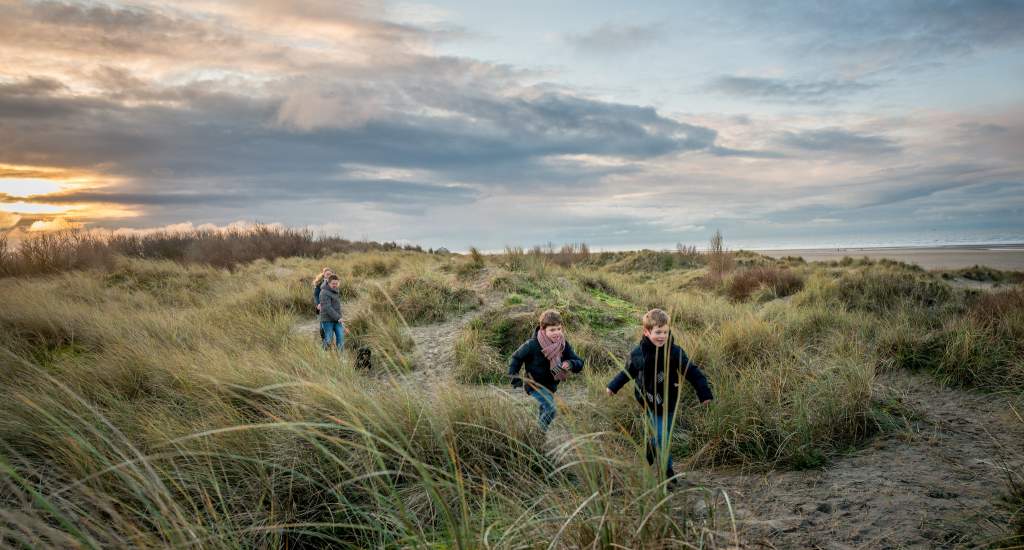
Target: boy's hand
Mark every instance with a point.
(318, 307)
(609, 391)
(706, 402)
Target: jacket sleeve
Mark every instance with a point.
(316, 295)
(575, 362)
(625, 375)
(696, 379)
(518, 358)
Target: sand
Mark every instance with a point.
(1006, 257)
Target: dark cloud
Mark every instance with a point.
(388, 194)
(209, 134)
(612, 38)
(787, 90)
(987, 130)
(837, 140)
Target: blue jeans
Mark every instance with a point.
(547, 405)
(661, 427)
(335, 331)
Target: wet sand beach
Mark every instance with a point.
(1006, 257)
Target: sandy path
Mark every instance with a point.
(934, 486)
(435, 344)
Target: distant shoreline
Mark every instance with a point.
(999, 246)
(1003, 256)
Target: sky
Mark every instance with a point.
(455, 123)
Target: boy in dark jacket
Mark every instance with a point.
(330, 314)
(549, 359)
(655, 367)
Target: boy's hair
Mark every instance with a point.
(333, 278)
(550, 318)
(655, 318)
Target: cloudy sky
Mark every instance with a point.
(463, 123)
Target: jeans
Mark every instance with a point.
(335, 330)
(661, 427)
(547, 405)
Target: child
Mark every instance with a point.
(655, 391)
(549, 359)
(318, 283)
(330, 314)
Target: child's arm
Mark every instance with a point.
(625, 375)
(696, 379)
(575, 362)
(516, 363)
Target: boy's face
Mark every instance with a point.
(657, 335)
(334, 284)
(554, 332)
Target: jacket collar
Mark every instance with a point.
(648, 346)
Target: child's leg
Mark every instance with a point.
(547, 405)
(661, 427)
(328, 331)
(339, 336)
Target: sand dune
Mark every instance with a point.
(1009, 257)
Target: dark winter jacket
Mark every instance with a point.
(330, 305)
(646, 368)
(538, 368)
(316, 294)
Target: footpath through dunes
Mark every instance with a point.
(434, 352)
(934, 485)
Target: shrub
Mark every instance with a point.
(470, 268)
(476, 361)
(986, 274)
(778, 283)
(383, 333)
(605, 353)
(689, 256)
(644, 261)
(720, 261)
(374, 267)
(882, 291)
(504, 330)
(41, 253)
(424, 299)
(56, 252)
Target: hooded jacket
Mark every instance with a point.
(646, 367)
(330, 305)
(538, 368)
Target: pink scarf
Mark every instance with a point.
(552, 350)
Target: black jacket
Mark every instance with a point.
(316, 294)
(646, 367)
(538, 368)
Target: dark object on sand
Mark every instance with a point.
(363, 358)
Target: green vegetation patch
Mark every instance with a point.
(883, 291)
(423, 299)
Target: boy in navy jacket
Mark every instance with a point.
(655, 367)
